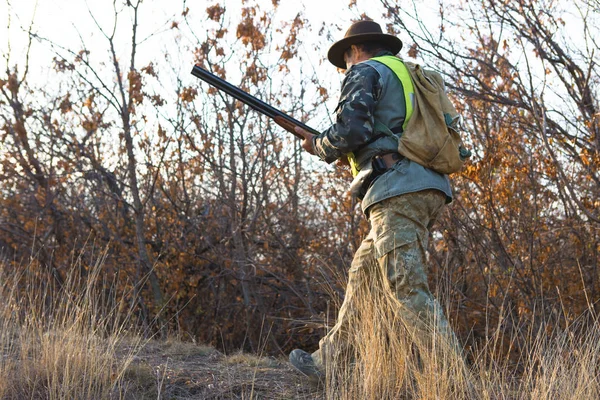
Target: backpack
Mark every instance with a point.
(430, 134)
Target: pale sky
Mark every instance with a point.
(64, 20)
(68, 23)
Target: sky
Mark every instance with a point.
(69, 24)
(75, 24)
(68, 21)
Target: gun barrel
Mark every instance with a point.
(251, 101)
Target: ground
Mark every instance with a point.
(181, 370)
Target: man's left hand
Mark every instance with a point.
(307, 143)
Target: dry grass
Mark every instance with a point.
(249, 359)
(70, 342)
(388, 361)
(180, 350)
(61, 341)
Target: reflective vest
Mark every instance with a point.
(400, 70)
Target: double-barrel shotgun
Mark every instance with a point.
(285, 121)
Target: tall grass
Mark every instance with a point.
(62, 340)
(389, 361)
(71, 340)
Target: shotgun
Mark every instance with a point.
(285, 121)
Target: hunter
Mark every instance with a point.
(400, 197)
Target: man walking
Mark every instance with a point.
(400, 198)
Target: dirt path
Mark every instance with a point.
(179, 370)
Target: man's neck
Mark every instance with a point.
(362, 56)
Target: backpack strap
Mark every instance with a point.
(399, 69)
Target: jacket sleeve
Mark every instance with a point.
(354, 122)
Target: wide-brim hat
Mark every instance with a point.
(360, 32)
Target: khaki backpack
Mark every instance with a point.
(431, 129)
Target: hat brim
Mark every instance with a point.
(336, 52)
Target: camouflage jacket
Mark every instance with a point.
(354, 123)
(353, 131)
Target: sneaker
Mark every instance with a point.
(304, 363)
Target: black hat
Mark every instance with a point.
(360, 32)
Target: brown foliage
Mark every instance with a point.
(522, 239)
(249, 32)
(216, 218)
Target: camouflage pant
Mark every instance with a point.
(398, 242)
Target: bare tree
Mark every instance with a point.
(525, 76)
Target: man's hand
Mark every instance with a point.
(307, 143)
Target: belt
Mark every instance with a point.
(390, 159)
(380, 164)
